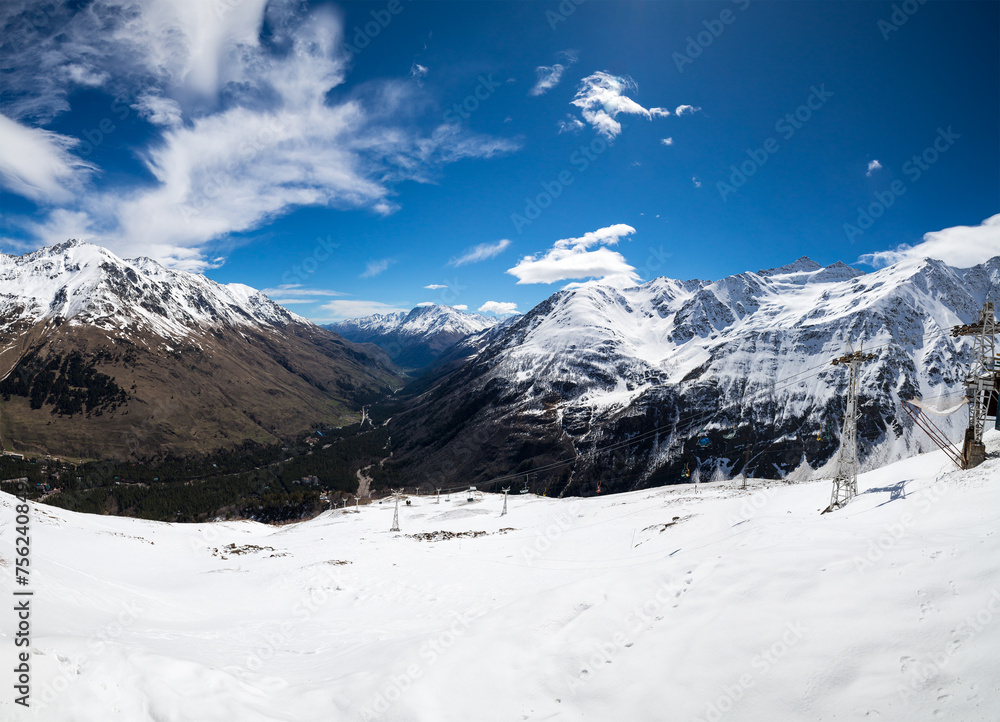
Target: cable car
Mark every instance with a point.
(472, 491)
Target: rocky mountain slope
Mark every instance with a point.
(103, 356)
(696, 378)
(416, 338)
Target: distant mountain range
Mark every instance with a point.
(597, 387)
(415, 339)
(689, 378)
(102, 356)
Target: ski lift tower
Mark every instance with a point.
(845, 485)
(395, 513)
(981, 383)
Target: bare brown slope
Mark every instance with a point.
(213, 390)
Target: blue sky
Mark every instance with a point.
(360, 157)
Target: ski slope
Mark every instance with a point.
(678, 603)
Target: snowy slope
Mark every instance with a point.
(422, 321)
(746, 357)
(88, 285)
(678, 603)
(416, 337)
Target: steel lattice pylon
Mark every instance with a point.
(395, 515)
(845, 484)
(981, 383)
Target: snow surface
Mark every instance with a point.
(420, 322)
(89, 285)
(677, 603)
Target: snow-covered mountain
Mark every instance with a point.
(699, 373)
(105, 356)
(418, 337)
(87, 285)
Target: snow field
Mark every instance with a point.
(677, 603)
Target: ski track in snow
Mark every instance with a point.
(675, 603)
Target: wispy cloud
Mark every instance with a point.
(570, 125)
(340, 310)
(376, 267)
(297, 289)
(686, 110)
(873, 166)
(499, 308)
(548, 76)
(959, 246)
(460, 307)
(37, 163)
(417, 71)
(601, 99)
(697, 181)
(573, 259)
(667, 141)
(435, 286)
(482, 252)
(242, 133)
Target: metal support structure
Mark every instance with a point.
(504, 512)
(438, 497)
(931, 429)
(845, 485)
(981, 383)
(395, 514)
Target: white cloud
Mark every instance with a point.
(686, 109)
(500, 308)
(601, 99)
(297, 289)
(959, 246)
(482, 252)
(159, 110)
(571, 258)
(697, 181)
(425, 304)
(262, 138)
(460, 307)
(37, 163)
(667, 141)
(548, 76)
(376, 267)
(873, 166)
(570, 125)
(340, 310)
(417, 71)
(436, 286)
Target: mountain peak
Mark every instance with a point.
(803, 264)
(86, 284)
